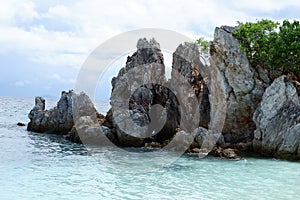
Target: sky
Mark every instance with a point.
(44, 43)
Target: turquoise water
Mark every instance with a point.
(40, 166)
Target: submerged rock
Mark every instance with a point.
(278, 121)
(21, 124)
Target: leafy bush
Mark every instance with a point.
(204, 44)
(272, 45)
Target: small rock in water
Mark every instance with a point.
(153, 145)
(196, 150)
(227, 153)
(20, 124)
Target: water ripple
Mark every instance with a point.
(41, 166)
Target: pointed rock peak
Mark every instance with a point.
(188, 50)
(143, 43)
(229, 29)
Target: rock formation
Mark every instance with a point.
(207, 95)
(187, 65)
(88, 128)
(241, 85)
(70, 108)
(146, 107)
(278, 121)
(56, 120)
(142, 108)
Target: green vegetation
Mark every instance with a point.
(203, 43)
(272, 45)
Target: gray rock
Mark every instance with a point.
(74, 116)
(136, 89)
(237, 82)
(201, 140)
(56, 120)
(88, 128)
(206, 140)
(187, 66)
(21, 124)
(278, 121)
(226, 153)
(90, 132)
(180, 142)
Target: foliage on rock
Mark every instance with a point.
(204, 44)
(272, 45)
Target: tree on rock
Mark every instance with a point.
(272, 45)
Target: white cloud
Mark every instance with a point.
(265, 5)
(13, 11)
(52, 39)
(22, 83)
(56, 77)
(58, 11)
(86, 24)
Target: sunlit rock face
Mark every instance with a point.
(241, 85)
(278, 121)
(189, 66)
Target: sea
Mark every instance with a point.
(42, 166)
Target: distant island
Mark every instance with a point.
(251, 72)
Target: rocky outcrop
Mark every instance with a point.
(88, 128)
(56, 120)
(142, 108)
(240, 84)
(146, 107)
(187, 65)
(74, 116)
(278, 121)
(206, 96)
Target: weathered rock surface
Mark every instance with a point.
(227, 153)
(56, 120)
(90, 132)
(146, 106)
(187, 65)
(88, 128)
(278, 121)
(200, 141)
(186, 112)
(137, 88)
(241, 85)
(74, 116)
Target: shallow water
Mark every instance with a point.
(40, 166)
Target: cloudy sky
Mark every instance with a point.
(44, 43)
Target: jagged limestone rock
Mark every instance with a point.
(241, 85)
(137, 88)
(56, 120)
(278, 121)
